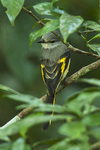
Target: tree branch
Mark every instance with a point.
(67, 44)
(67, 82)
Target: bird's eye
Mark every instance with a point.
(52, 41)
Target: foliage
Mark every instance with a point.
(80, 115)
(80, 112)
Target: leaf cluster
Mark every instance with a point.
(80, 112)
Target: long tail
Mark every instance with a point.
(51, 100)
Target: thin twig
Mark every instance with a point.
(36, 18)
(67, 44)
(82, 52)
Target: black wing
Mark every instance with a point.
(54, 74)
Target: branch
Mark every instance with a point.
(36, 18)
(67, 82)
(67, 44)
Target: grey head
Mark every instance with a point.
(50, 40)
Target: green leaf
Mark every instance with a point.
(13, 8)
(92, 120)
(70, 145)
(47, 141)
(47, 8)
(57, 11)
(43, 8)
(49, 26)
(22, 97)
(23, 125)
(49, 107)
(72, 129)
(83, 99)
(92, 81)
(27, 147)
(53, 1)
(95, 47)
(7, 89)
(18, 144)
(95, 132)
(5, 146)
(95, 37)
(92, 25)
(37, 104)
(69, 24)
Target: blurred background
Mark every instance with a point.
(20, 64)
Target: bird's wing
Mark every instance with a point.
(53, 75)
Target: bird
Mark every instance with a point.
(55, 61)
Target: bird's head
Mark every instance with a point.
(49, 40)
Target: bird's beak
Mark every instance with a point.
(41, 41)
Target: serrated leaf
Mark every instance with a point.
(92, 120)
(95, 47)
(92, 25)
(69, 24)
(72, 129)
(49, 26)
(92, 81)
(43, 8)
(13, 8)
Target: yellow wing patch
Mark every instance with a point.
(66, 71)
(63, 64)
(42, 66)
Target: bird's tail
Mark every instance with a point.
(51, 100)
